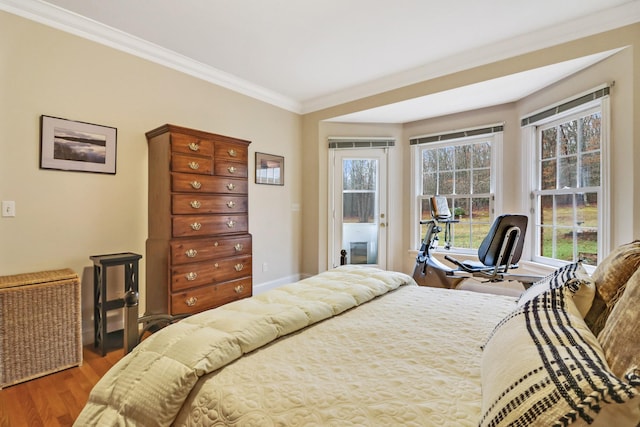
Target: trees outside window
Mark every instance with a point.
(359, 187)
(462, 172)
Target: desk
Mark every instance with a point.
(103, 340)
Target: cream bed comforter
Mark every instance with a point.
(409, 357)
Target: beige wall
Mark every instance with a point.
(64, 217)
(624, 68)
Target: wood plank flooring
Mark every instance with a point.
(55, 399)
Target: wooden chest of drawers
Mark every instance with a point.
(199, 249)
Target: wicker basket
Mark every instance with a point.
(40, 324)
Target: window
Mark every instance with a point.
(359, 183)
(567, 194)
(462, 170)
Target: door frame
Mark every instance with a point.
(334, 228)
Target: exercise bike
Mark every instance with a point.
(429, 271)
(498, 253)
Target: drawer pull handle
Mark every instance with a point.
(196, 226)
(194, 146)
(238, 267)
(231, 223)
(191, 253)
(194, 165)
(196, 185)
(216, 265)
(230, 186)
(191, 276)
(232, 169)
(239, 289)
(195, 204)
(215, 244)
(191, 301)
(231, 204)
(238, 247)
(232, 152)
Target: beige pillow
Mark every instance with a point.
(610, 277)
(620, 337)
(542, 366)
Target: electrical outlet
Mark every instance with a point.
(265, 267)
(8, 208)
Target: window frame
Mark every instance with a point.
(495, 187)
(530, 134)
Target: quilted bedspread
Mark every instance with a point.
(410, 357)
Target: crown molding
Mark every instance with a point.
(81, 26)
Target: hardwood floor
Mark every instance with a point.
(56, 399)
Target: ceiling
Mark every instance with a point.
(306, 55)
(488, 93)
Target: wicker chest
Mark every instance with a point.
(40, 324)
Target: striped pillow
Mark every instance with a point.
(542, 366)
(582, 298)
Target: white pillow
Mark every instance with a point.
(576, 271)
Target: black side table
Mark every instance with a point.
(101, 263)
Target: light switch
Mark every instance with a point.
(8, 208)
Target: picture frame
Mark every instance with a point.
(77, 146)
(269, 169)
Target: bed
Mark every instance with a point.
(358, 346)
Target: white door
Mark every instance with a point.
(358, 207)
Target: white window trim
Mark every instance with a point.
(495, 186)
(529, 170)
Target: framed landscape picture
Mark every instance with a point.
(77, 146)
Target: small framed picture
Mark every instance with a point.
(269, 169)
(77, 146)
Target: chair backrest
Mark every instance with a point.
(501, 233)
(440, 208)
